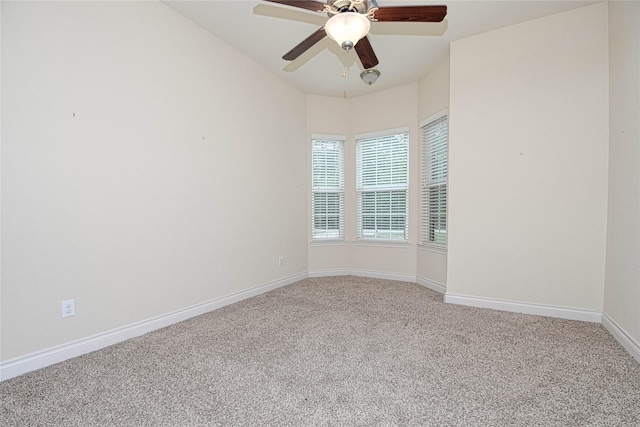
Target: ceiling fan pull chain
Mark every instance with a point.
(345, 75)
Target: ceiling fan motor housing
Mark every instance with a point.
(339, 6)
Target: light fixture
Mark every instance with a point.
(347, 28)
(370, 76)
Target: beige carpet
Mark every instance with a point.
(343, 351)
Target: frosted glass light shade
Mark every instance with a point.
(347, 28)
(370, 76)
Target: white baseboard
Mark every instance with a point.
(400, 277)
(526, 308)
(625, 340)
(364, 273)
(21, 365)
(31, 362)
(434, 286)
(330, 272)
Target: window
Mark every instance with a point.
(327, 187)
(382, 184)
(434, 182)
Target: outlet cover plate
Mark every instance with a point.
(69, 308)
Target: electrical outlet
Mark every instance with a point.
(281, 261)
(69, 308)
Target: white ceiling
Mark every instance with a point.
(406, 51)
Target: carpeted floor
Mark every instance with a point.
(343, 351)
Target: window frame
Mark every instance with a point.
(399, 183)
(427, 183)
(318, 189)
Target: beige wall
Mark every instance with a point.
(393, 108)
(138, 174)
(326, 115)
(528, 162)
(368, 113)
(382, 110)
(622, 281)
(433, 91)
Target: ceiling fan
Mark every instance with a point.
(349, 23)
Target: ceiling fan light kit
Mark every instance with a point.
(370, 76)
(349, 23)
(347, 28)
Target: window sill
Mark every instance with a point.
(328, 242)
(383, 243)
(433, 248)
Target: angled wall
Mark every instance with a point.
(433, 97)
(528, 165)
(348, 117)
(622, 279)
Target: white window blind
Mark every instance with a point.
(327, 189)
(382, 184)
(434, 183)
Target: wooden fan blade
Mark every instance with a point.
(366, 54)
(305, 44)
(410, 14)
(315, 6)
